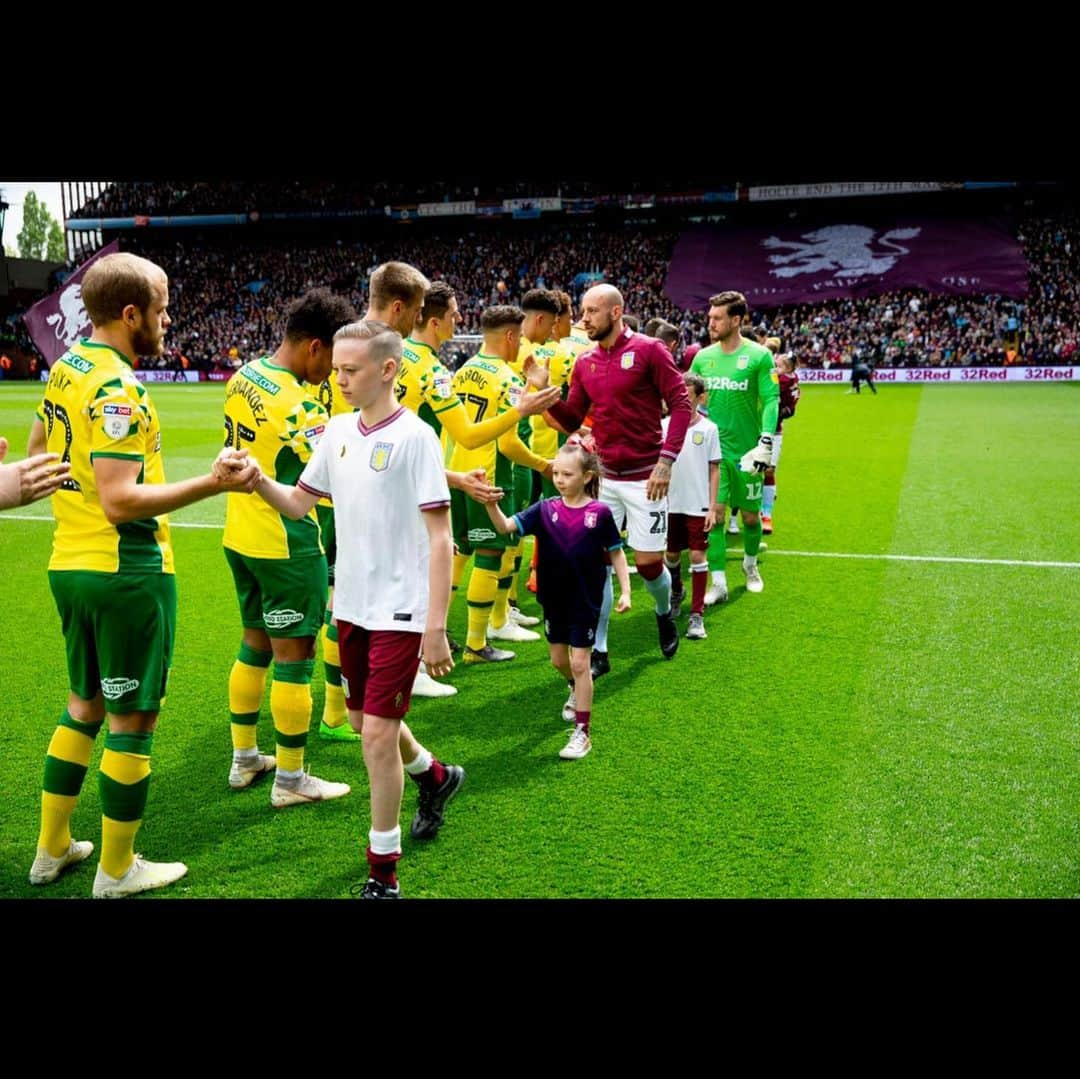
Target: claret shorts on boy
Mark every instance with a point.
(377, 669)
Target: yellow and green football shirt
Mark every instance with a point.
(424, 385)
(95, 407)
(272, 414)
(487, 387)
(546, 440)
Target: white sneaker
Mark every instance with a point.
(569, 710)
(695, 629)
(578, 746)
(141, 877)
(426, 686)
(754, 583)
(733, 526)
(46, 868)
(508, 631)
(244, 772)
(520, 619)
(717, 593)
(308, 788)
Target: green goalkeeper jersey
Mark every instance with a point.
(744, 394)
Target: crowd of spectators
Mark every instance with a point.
(233, 298)
(227, 301)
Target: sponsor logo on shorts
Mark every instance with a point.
(380, 456)
(112, 689)
(478, 535)
(398, 698)
(590, 518)
(280, 618)
(626, 361)
(699, 438)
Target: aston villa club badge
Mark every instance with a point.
(626, 361)
(380, 456)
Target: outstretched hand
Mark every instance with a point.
(475, 485)
(27, 481)
(536, 374)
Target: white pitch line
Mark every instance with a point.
(52, 521)
(927, 558)
(769, 551)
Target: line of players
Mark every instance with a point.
(275, 419)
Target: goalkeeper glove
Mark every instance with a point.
(760, 457)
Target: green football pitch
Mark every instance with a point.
(898, 714)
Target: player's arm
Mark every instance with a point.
(38, 439)
(769, 396)
(761, 456)
(714, 486)
(124, 499)
(435, 650)
(622, 572)
(566, 416)
(511, 446)
(472, 436)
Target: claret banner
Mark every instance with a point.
(804, 263)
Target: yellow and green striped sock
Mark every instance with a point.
(124, 784)
(461, 562)
(247, 684)
(502, 595)
(515, 570)
(290, 705)
(334, 703)
(483, 585)
(66, 763)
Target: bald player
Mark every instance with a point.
(625, 378)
